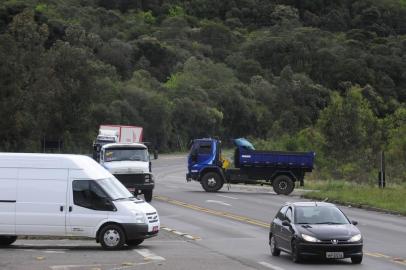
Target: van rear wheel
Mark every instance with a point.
(6, 240)
(112, 237)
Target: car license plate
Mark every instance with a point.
(334, 255)
(131, 190)
(155, 228)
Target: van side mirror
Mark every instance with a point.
(353, 222)
(109, 204)
(285, 223)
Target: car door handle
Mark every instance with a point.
(70, 208)
(61, 208)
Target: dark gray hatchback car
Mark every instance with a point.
(315, 229)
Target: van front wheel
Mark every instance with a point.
(112, 237)
(6, 240)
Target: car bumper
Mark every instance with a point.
(320, 250)
(138, 231)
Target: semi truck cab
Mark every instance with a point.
(131, 165)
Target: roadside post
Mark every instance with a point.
(381, 176)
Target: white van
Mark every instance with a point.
(69, 195)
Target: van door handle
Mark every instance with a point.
(70, 208)
(61, 208)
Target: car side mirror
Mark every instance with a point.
(285, 223)
(353, 222)
(194, 157)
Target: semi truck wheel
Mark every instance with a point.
(211, 182)
(112, 237)
(148, 195)
(6, 240)
(283, 184)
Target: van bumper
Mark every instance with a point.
(137, 231)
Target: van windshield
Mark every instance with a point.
(115, 189)
(121, 154)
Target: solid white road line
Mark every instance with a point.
(228, 197)
(270, 266)
(218, 202)
(148, 255)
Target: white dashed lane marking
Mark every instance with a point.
(270, 266)
(148, 255)
(228, 197)
(218, 202)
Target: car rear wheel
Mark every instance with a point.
(211, 182)
(274, 250)
(148, 195)
(356, 259)
(6, 240)
(283, 184)
(112, 237)
(295, 252)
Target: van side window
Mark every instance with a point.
(88, 194)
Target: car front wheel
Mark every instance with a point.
(295, 252)
(274, 250)
(356, 259)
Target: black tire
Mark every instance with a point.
(211, 182)
(275, 251)
(148, 195)
(6, 240)
(112, 237)
(295, 253)
(283, 184)
(356, 259)
(134, 243)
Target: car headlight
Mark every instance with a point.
(355, 238)
(139, 217)
(309, 238)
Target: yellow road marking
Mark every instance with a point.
(214, 212)
(258, 223)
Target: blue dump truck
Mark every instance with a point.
(282, 170)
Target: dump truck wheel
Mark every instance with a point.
(283, 184)
(211, 182)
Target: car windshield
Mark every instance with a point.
(115, 189)
(120, 154)
(319, 215)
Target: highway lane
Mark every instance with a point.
(234, 223)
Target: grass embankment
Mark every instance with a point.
(391, 198)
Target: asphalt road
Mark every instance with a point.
(235, 223)
(224, 230)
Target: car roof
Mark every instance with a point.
(298, 204)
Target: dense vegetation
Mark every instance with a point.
(328, 76)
